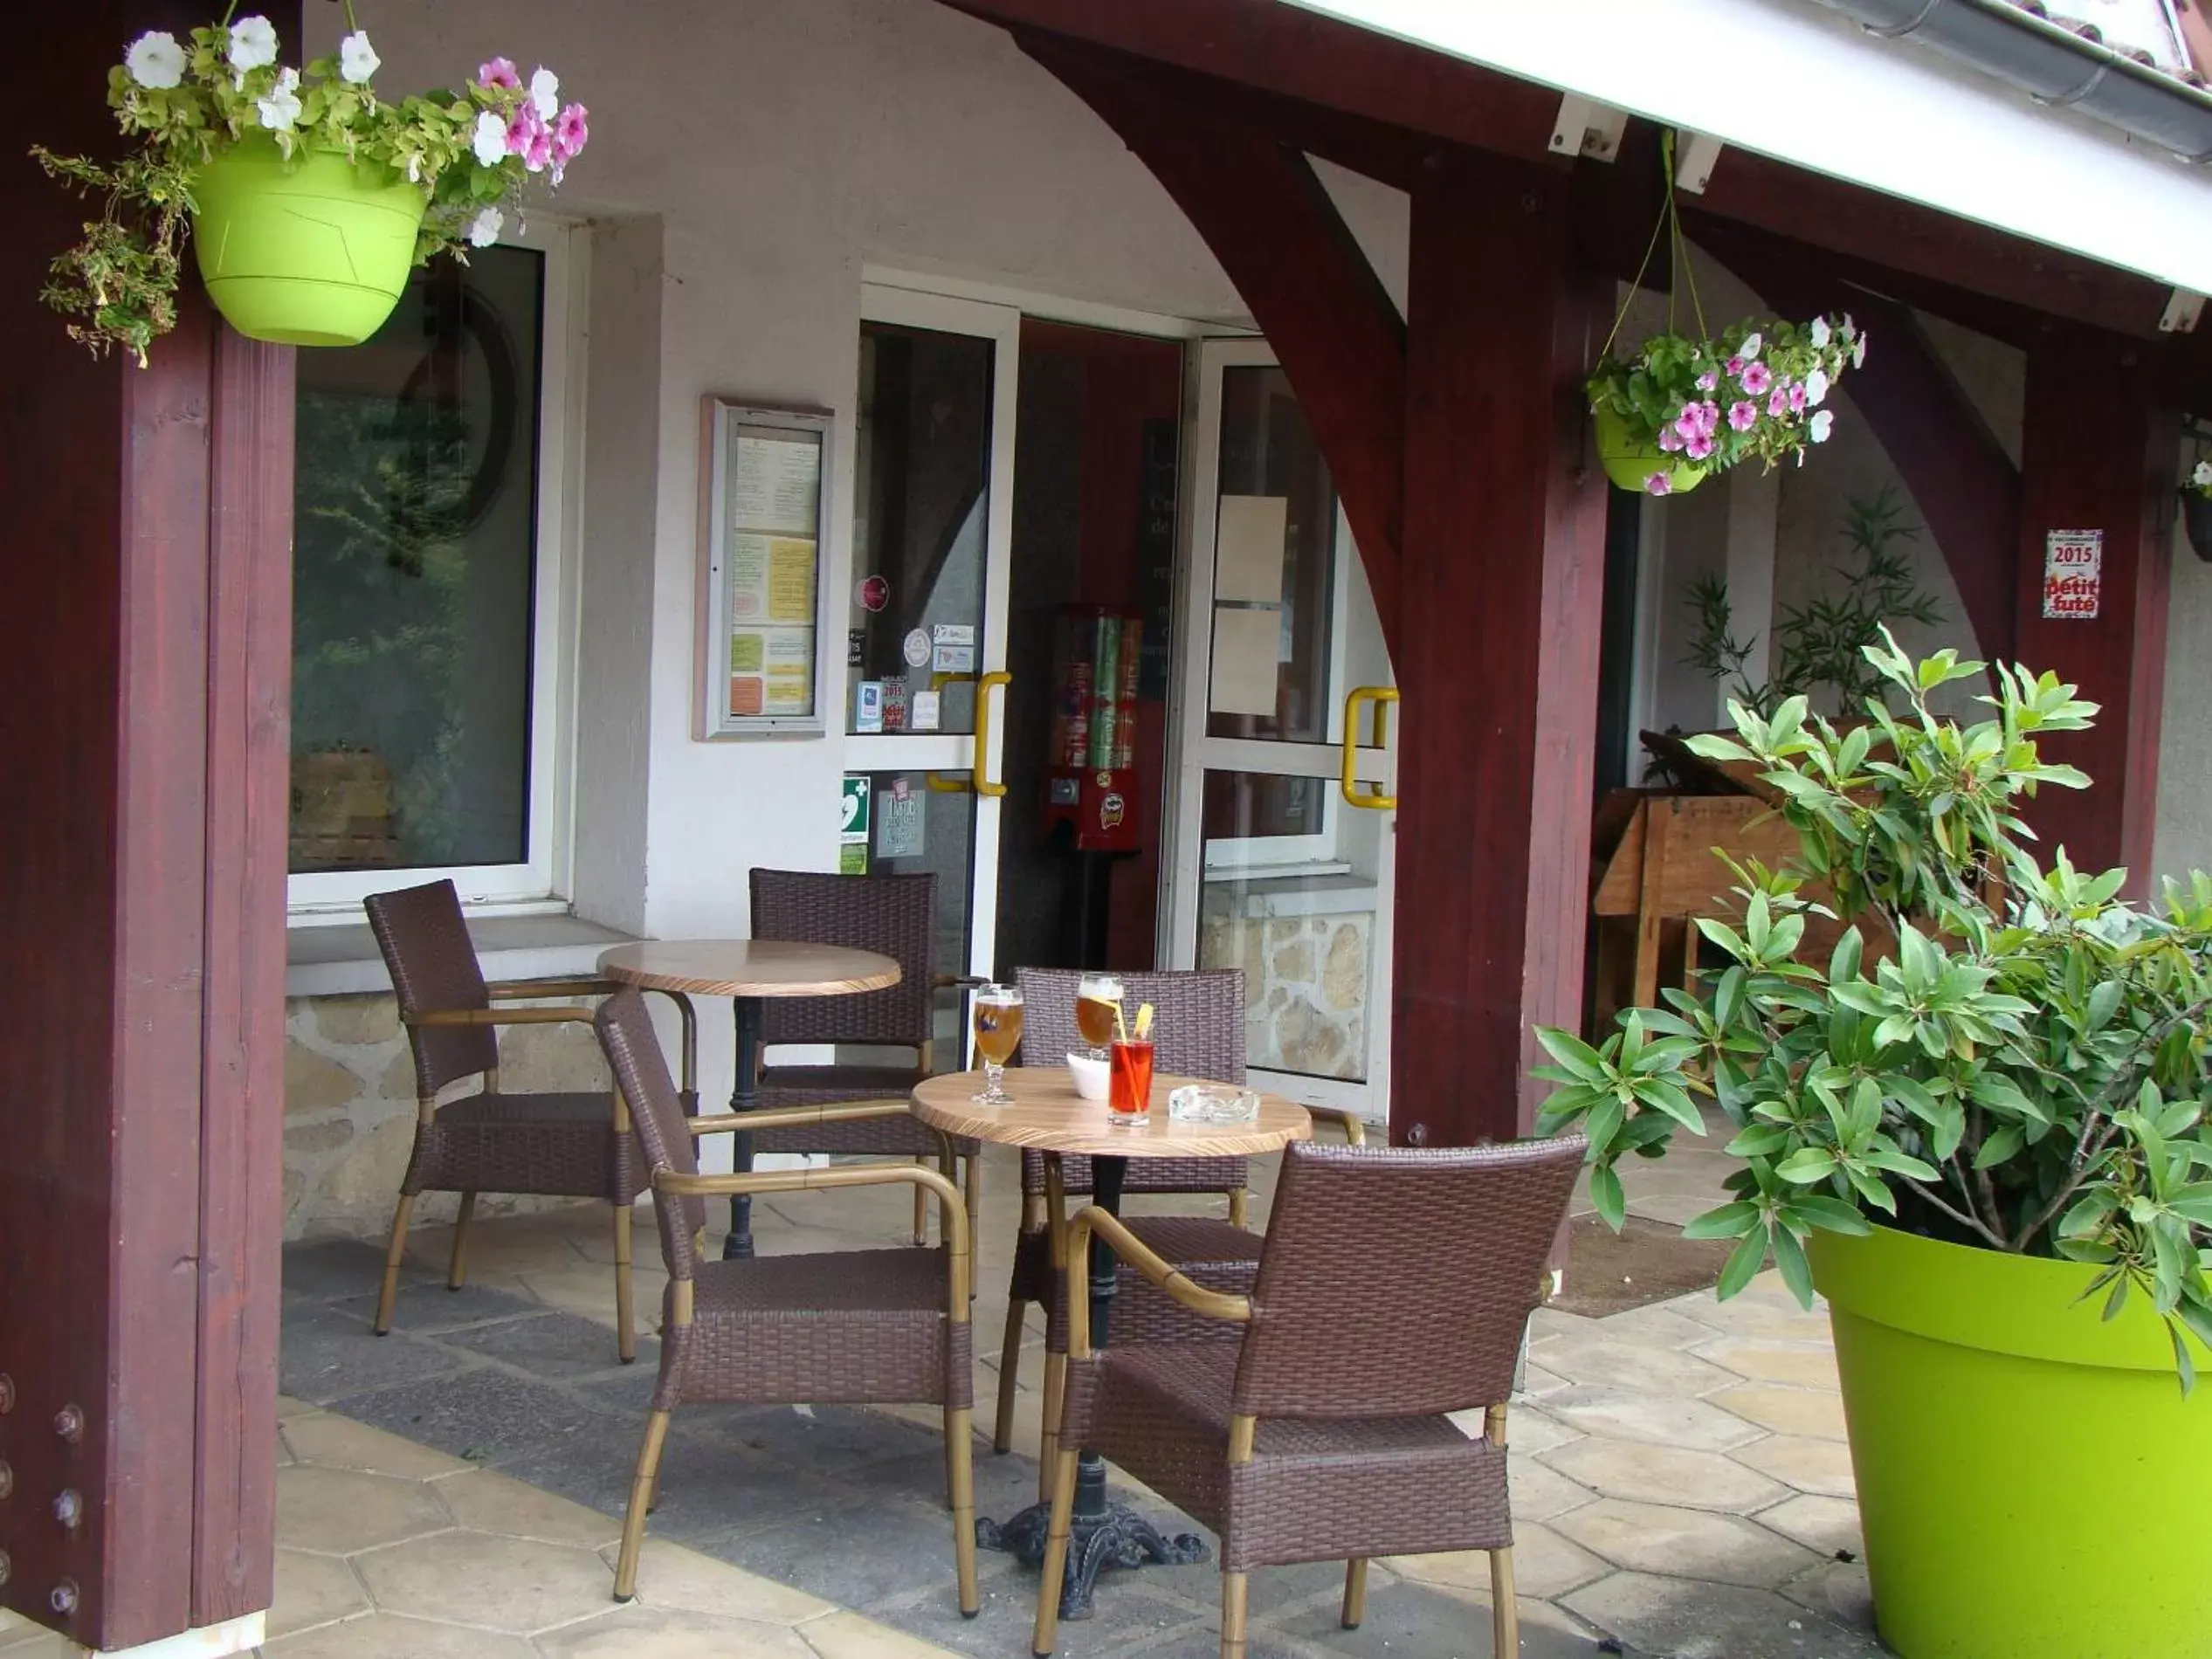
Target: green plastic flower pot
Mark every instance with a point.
(2032, 1482)
(1630, 465)
(314, 256)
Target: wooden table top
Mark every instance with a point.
(747, 968)
(1048, 1115)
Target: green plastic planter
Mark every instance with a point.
(1630, 465)
(2032, 1483)
(315, 256)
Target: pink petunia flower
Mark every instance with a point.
(529, 137)
(501, 73)
(1743, 415)
(1778, 403)
(1756, 378)
(1670, 440)
(1688, 423)
(1708, 418)
(1707, 380)
(1796, 397)
(1735, 365)
(1699, 447)
(1658, 484)
(570, 133)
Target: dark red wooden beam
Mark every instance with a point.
(1500, 597)
(1269, 223)
(2100, 453)
(1325, 62)
(1964, 483)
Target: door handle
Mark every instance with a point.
(1381, 696)
(984, 785)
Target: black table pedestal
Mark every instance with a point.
(747, 1011)
(1100, 1533)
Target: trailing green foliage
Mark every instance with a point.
(2026, 1071)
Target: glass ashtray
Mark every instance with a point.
(1213, 1103)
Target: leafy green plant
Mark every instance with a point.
(1821, 645)
(2026, 1073)
(472, 152)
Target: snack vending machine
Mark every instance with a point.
(1090, 787)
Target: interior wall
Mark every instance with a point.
(2183, 840)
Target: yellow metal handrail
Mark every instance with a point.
(985, 785)
(1381, 696)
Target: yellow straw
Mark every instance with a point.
(1121, 1028)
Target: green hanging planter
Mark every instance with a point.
(314, 256)
(1630, 465)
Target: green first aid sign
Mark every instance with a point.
(853, 820)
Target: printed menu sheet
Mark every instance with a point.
(772, 497)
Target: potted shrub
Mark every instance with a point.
(2196, 509)
(1987, 1149)
(307, 197)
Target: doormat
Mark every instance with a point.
(1610, 1272)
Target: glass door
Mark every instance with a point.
(1284, 832)
(925, 679)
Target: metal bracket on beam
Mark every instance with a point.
(1696, 155)
(1587, 128)
(2182, 309)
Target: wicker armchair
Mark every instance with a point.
(894, 916)
(845, 1326)
(1394, 1288)
(1200, 1029)
(565, 1145)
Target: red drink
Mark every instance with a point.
(1129, 1087)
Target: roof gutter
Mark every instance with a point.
(2051, 64)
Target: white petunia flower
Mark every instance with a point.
(485, 228)
(253, 44)
(357, 60)
(1819, 332)
(1816, 386)
(280, 109)
(1817, 428)
(155, 61)
(1858, 352)
(2203, 475)
(414, 169)
(545, 93)
(1749, 350)
(489, 140)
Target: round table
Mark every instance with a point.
(1048, 1116)
(747, 971)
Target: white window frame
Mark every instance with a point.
(539, 884)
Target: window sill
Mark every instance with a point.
(344, 960)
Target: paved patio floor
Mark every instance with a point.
(1681, 1483)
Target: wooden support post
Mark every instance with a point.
(2100, 453)
(1500, 597)
(143, 717)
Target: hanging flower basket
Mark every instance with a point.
(308, 198)
(1689, 405)
(2196, 510)
(1633, 464)
(312, 253)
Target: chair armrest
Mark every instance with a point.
(500, 1017)
(1355, 1127)
(1213, 1305)
(953, 1208)
(947, 981)
(518, 990)
(726, 1123)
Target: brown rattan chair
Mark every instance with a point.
(1199, 1028)
(854, 1327)
(563, 1145)
(1394, 1288)
(894, 916)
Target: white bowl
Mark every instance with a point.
(1092, 1077)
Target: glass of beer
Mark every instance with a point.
(1098, 1010)
(998, 1033)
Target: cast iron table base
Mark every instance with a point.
(1100, 1533)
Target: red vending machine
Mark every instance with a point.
(1091, 787)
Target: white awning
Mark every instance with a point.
(1790, 80)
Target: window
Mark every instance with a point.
(426, 604)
